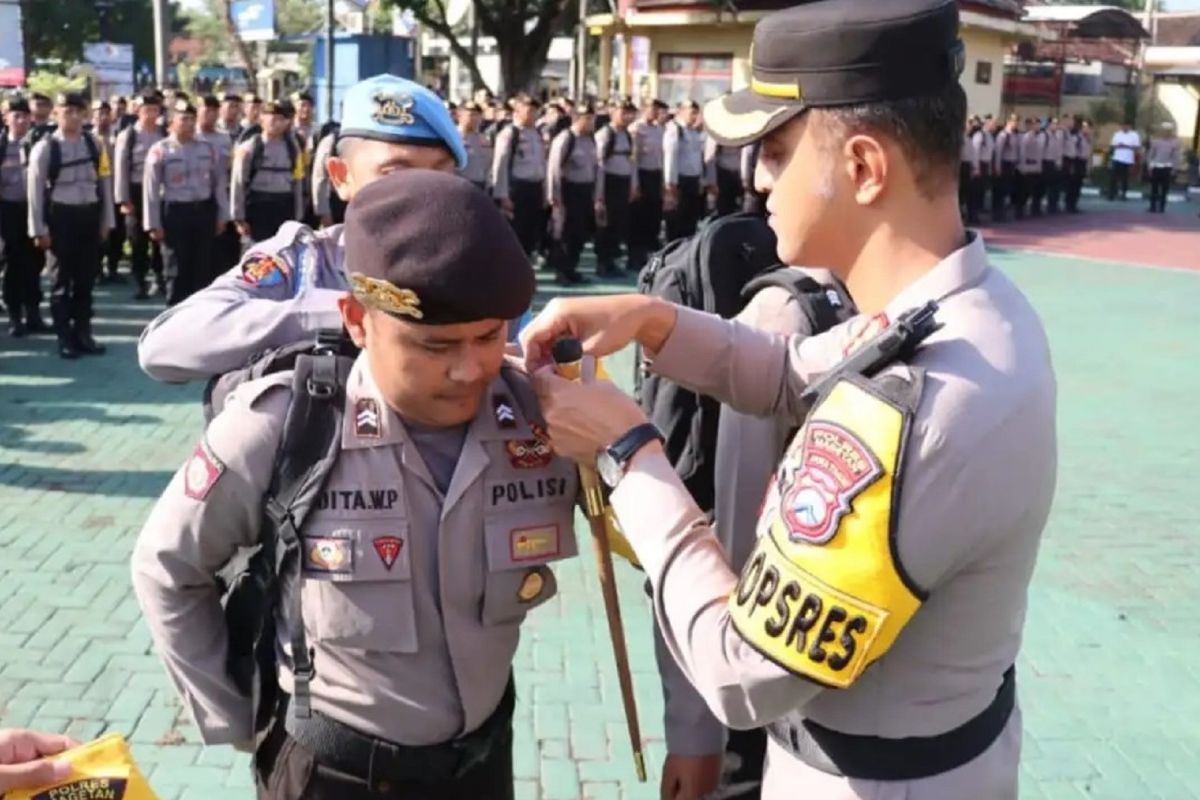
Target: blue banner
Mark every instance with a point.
(254, 19)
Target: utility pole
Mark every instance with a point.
(330, 111)
(581, 53)
(161, 26)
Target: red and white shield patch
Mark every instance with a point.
(825, 469)
(202, 472)
(388, 548)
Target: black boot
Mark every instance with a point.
(34, 322)
(87, 344)
(62, 329)
(17, 328)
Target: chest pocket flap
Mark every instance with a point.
(357, 589)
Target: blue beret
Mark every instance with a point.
(392, 109)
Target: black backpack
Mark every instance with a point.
(259, 147)
(54, 168)
(718, 270)
(260, 586)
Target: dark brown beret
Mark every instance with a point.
(429, 247)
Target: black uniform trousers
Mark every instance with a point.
(979, 187)
(267, 211)
(529, 213)
(615, 232)
(646, 215)
(1074, 181)
(1035, 190)
(1052, 179)
(75, 243)
(729, 192)
(1004, 187)
(187, 247)
(1118, 178)
(682, 221)
(23, 272)
(1160, 184)
(226, 250)
(114, 248)
(146, 253)
(578, 223)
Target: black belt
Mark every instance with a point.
(347, 750)
(878, 759)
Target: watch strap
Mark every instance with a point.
(627, 446)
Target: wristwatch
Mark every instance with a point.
(612, 461)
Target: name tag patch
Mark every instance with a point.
(800, 622)
(529, 544)
(527, 490)
(818, 482)
(329, 555)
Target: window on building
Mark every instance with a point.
(683, 76)
(983, 72)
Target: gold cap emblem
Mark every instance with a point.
(393, 108)
(386, 296)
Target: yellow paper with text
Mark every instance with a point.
(101, 770)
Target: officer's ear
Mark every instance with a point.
(353, 314)
(339, 176)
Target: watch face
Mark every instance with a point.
(609, 470)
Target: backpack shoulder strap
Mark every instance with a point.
(308, 449)
(55, 165)
(257, 148)
(568, 148)
(824, 306)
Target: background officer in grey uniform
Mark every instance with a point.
(723, 167)
(570, 192)
(70, 214)
(413, 590)
(616, 182)
(971, 443)
(267, 185)
(479, 150)
(186, 203)
(519, 174)
(1031, 189)
(1162, 157)
(23, 267)
(103, 126)
(129, 167)
(227, 247)
(1005, 178)
(646, 211)
(683, 171)
(286, 289)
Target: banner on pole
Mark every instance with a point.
(12, 49)
(254, 19)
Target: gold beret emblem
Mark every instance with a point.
(386, 296)
(393, 108)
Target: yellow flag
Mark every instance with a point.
(101, 770)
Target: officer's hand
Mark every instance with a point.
(326, 220)
(582, 418)
(243, 228)
(603, 324)
(690, 777)
(104, 232)
(127, 209)
(155, 234)
(42, 242)
(23, 762)
(506, 205)
(635, 194)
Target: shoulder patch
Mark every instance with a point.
(202, 472)
(261, 269)
(825, 469)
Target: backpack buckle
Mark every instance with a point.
(319, 389)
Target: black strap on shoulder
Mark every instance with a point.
(568, 149)
(130, 145)
(308, 449)
(824, 306)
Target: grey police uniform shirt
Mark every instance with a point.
(1054, 145)
(13, 183)
(647, 145)
(1008, 148)
(1033, 148)
(274, 176)
(182, 173)
(981, 468)
(579, 167)
(620, 159)
(527, 156)
(322, 187)
(223, 142)
(412, 597)
(220, 327)
(130, 167)
(748, 448)
(720, 157)
(78, 184)
(683, 153)
(479, 158)
(1163, 152)
(985, 147)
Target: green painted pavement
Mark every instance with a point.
(1109, 682)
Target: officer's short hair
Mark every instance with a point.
(208, 101)
(928, 128)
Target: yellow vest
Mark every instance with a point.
(822, 594)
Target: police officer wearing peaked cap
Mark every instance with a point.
(875, 626)
(285, 289)
(431, 538)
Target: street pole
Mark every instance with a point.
(581, 53)
(161, 13)
(331, 113)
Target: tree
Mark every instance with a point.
(522, 30)
(59, 29)
(213, 24)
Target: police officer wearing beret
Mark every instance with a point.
(902, 526)
(285, 289)
(185, 202)
(429, 542)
